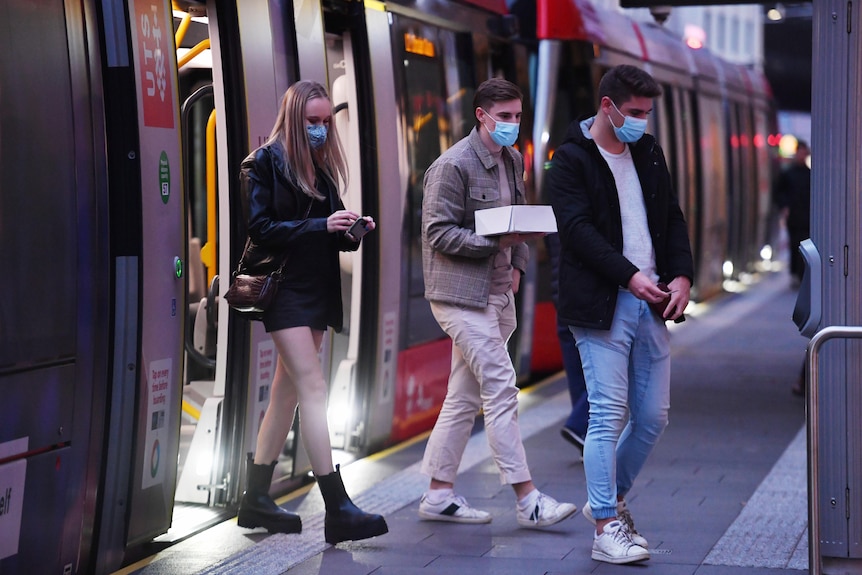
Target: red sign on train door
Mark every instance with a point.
(153, 28)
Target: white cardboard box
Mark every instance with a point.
(518, 218)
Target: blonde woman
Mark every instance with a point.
(290, 188)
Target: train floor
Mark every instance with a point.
(724, 492)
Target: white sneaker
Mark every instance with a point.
(543, 510)
(615, 546)
(625, 517)
(453, 508)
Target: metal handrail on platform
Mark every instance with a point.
(815, 565)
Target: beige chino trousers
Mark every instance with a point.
(482, 376)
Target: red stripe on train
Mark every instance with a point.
(420, 388)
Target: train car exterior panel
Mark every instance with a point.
(162, 295)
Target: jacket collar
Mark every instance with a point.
(482, 152)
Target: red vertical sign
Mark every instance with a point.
(153, 25)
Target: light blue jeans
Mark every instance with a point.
(627, 369)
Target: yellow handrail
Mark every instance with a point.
(199, 47)
(208, 251)
(182, 28)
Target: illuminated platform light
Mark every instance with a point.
(727, 268)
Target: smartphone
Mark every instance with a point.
(358, 229)
(660, 307)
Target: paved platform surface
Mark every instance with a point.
(724, 492)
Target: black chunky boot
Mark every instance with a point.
(344, 520)
(257, 509)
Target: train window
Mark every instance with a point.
(437, 79)
(665, 120)
(576, 96)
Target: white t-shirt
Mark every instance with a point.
(637, 243)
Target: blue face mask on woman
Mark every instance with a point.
(632, 128)
(316, 135)
(505, 133)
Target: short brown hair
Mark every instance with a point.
(622, 83)
(495, 90)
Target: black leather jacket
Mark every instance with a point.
(584, 196)
(275, 207)
(277, 223)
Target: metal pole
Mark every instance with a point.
(815, 566)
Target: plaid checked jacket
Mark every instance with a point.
(456, 262)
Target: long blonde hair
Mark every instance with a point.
(289, 130)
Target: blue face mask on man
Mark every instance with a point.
(505, 133)
(632, 128)
(316, 135)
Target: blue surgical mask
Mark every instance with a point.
(632, 128)
(505, 133)
(316, 135)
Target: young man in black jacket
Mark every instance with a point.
(622, 233)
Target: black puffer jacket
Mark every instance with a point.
(584, 196)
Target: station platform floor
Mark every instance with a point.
(724, 492)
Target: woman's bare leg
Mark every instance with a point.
(299, 380)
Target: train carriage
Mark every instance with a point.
(134, 393)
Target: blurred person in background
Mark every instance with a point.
(792, 195)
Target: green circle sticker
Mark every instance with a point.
(164, 177)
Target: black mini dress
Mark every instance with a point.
(303, 297)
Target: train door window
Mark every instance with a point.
(674, 136)
(665, 121)
(713, 180)
(575, 97)
(687, 170)
(748, 182)
(436, 92)
(734, 185)
(762, 169)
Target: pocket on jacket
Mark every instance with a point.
(484, 194)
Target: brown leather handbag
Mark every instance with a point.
(251, 291)
(255, 282)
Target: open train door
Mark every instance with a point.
(146, 238)
(250, 54)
